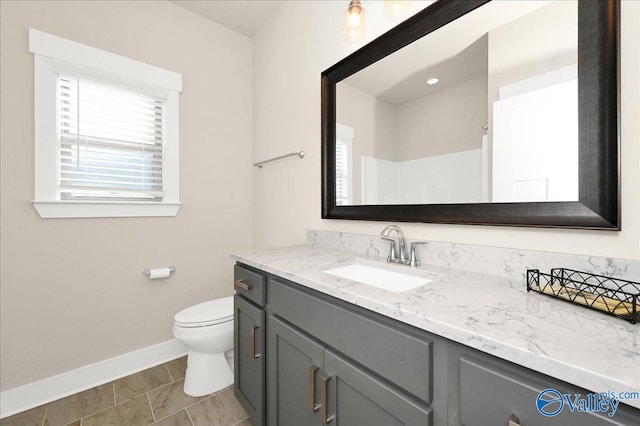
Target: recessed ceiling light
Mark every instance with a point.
(432, 81)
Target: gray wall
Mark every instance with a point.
(445, 122)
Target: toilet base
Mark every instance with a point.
(206, 373)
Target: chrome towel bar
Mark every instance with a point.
(298, 153)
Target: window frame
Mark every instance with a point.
(51, 54)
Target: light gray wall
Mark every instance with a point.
(445, 122)
(72, 290)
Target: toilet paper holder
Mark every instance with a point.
(147, 272)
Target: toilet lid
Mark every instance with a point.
(208, 313)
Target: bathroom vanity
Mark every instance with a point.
(463, 349)
(248, 340)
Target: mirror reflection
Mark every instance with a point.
(484, 109)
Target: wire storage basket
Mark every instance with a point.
(612, 296)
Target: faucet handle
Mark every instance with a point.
(392, 257)
(414, 258)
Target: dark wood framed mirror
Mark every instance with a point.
(596, 204)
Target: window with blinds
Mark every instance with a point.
(342, 173)
(111, 141)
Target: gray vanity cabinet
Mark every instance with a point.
(309, 384)
(331, 362)
(249, 342)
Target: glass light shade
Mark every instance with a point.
(353, 28)
(397, 7)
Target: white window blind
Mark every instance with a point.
(342, 173)
(111, 141)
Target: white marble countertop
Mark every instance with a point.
(490, 313)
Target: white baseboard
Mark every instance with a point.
(34, 394)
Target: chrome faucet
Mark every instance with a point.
(393, 257)
(414, 258)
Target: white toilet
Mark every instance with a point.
(207, 330)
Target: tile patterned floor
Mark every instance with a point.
(150, 397)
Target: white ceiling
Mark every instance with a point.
(243, 16)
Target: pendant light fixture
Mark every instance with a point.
(353, 28)
(397, 7)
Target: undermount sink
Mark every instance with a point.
(380, 278)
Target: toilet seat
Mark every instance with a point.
(206, 314)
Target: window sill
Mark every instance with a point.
(78, 209)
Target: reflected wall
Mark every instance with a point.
(420, 144)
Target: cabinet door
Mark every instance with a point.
(294, 368)
(249, 358)
(355, 397)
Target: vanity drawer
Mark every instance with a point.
(401, 358)
(249, 284)
(491, 393)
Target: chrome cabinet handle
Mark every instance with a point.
(242, 285)
(514, 420)
(312, 389)
(253, 342)
(323, 397)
